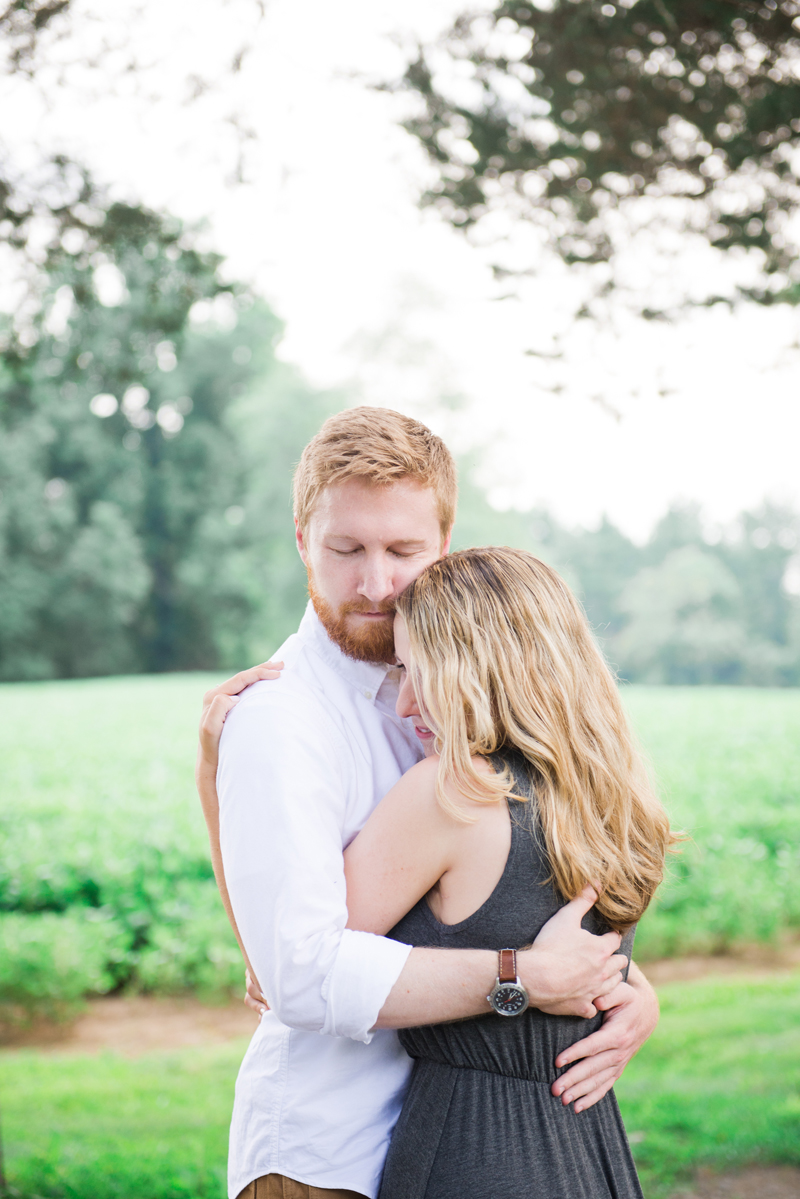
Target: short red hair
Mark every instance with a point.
(379, 446)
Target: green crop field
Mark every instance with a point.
(104, 873)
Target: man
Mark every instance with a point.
(303, 760)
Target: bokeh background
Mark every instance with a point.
(563, 233)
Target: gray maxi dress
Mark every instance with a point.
(479, 1121)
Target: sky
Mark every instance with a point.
(309, 186)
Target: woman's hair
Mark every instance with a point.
(503, 657)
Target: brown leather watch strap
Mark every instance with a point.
(507, 970)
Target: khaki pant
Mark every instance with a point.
(275, 1186)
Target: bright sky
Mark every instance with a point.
(387, 299)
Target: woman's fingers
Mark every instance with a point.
(245, 678)
(213, 719)
(252, 995)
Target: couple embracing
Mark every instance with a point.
(434, 837)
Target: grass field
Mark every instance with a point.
(105, 883)
(104, 873)
(727, 764)
(718, 1085)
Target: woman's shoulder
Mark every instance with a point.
(459, 810)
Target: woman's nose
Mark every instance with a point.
(406, 700)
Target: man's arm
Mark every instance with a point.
(565, 972)
(631, 1017)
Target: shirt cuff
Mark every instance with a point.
(356, 988)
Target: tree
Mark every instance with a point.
(137, 522)
(564, 112)
(682, 625)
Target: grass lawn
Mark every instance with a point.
(106, 1127)
(718, 1085)
(727, 765)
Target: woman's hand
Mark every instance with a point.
(218, 702)
(252, 996)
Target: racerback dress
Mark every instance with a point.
(479, 1121)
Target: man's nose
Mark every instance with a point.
(378, 581)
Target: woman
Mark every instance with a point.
(535, 790)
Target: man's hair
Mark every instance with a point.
(379, 446)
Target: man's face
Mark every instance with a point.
(363, 545)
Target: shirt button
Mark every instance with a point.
(367, 695)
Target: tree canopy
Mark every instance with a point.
(561, 112)
(147, 436)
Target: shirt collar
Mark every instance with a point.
(366, 677)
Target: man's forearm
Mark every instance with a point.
(564, 971)
(437, 985)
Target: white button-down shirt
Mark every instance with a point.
(303, 761)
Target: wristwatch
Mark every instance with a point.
(508, 997)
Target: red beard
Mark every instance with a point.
(371, 642)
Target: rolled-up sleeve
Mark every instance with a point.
(283, 784)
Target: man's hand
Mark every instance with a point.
(631, 1015)
(567, 969)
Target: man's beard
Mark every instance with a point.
(371, 641)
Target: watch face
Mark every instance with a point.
(509, 999)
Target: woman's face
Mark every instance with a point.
(407, 703)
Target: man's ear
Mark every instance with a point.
(300, 541)
(446, 544)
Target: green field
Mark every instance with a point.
(105, 884)
(718, 1085)
(104, 874)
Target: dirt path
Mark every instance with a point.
(758, 1182)
(752, 961)
(148, 1024)
(137, 1025)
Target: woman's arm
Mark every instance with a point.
(402, 851)
(217, 703)
(411, 846)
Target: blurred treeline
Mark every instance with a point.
(681, 608)
(149, 433)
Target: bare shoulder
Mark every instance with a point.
(417, 787)
(422, 778)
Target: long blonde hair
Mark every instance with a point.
(503, 657)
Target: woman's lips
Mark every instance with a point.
(423, 732)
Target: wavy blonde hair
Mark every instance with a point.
(502, 657)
